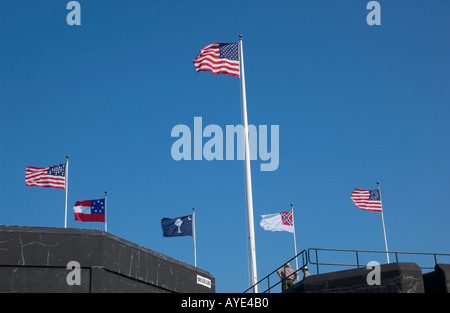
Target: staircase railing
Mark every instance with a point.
(304, 261)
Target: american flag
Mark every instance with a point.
(51, 176)
(368, 200)
(219, 58)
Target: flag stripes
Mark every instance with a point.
(368, 200)
(219, 58)
(51, 176)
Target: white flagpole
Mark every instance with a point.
(66, 188)
(382, 219)
(106, 211)
(193, 235)
(248, 179)
(295, 242)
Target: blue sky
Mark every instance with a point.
(355, 104)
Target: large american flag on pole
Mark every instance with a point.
(368, 200)
(219, 58)
(50, 176)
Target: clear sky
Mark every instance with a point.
(355, 104)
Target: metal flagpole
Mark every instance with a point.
(66, 188)
(193, 235)
(382, 219)
(295, 242)
(106, 211)
(248, 179)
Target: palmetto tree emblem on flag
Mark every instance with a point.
(178, 223)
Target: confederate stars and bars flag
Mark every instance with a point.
(90, 210)
(278, 222)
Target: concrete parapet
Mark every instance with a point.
(394, 278)
(438, 281)
(35, 259)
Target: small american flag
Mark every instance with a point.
(368, 200)
(219, 58)
(51, 176)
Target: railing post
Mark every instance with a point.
(317, 261)
(357, 259)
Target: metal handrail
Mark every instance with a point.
(304, 255)
(308, 254)
(358, 252)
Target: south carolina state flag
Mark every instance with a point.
(179, 226)
(90, 210)
(278, 222)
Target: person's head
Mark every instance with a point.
(287, 264)
(304, 268)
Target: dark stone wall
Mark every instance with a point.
(394, 278)
(34, 259)
(438, 281)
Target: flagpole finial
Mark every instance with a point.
(240, 36)
(67, 156)
(106, 191)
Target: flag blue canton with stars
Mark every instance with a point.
(229, 51)
(57, 170)
(374, 195)
(98, 206)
